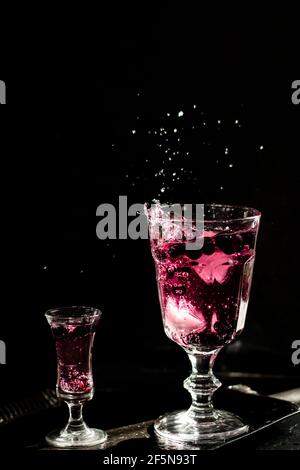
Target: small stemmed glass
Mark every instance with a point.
(73, 329)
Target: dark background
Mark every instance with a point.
(78, 83)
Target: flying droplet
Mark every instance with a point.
(133, 131)
(175, 130)
(261, 147)
(180, 114)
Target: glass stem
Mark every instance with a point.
(202, 384)
(75, 422)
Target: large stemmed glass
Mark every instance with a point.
(73, 329)
(204, 278)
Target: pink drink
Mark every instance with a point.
(204, 293)
(73, 349)
(73, 329)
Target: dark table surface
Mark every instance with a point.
(127, 394)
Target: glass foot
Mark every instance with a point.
(179, 427)
(85, 438)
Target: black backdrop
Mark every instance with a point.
(76, 91)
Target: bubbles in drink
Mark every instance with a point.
(204, 292)
(73, 349)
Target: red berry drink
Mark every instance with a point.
(73, 348)
(204, 292)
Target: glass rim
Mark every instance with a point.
(73, 311)
(254, 213)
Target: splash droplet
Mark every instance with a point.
(180, 114)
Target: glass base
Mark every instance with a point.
(86, 438)
(179, 427)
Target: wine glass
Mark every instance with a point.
(204, 271)
(73, 329)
